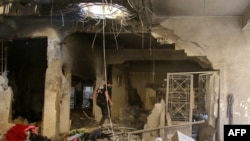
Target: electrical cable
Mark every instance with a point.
(112, 27)
(142, 39)
(150, 11)
(4, 8)
(6, 61)
(62, 18)
(121, 26)
(2, 47)
(93, 42)
(105, 71)
(98, 21)
(130, 4)
(150, 45)
(153, 73)
(120, 29)
(51, 12)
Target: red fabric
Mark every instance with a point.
(16, 133)
(32, 128)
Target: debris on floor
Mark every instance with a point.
(179, 136)
(104, 132)
(21, 132)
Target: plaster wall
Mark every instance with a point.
(227, 47)
(139, 80)
(57, 86)
(119, 90)
(156, 74)
(5, 107)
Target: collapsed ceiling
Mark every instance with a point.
(129, 32)
(145, 13)
(139, 19)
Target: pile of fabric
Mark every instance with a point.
(20, 132)
(87, 134)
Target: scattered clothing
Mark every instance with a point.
(21, 132)
(98, 134)
(16, 133)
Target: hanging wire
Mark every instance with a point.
(4, 8)
(153, 72)
(2, 56)
(93, 43)
(105, 70)
(142, 39)
(150, 44)
(130, 4)
(51, 12)
(116, 42)
(5, 53)
(146, 8)
(62, 18)
(142, 28)
(120, 29)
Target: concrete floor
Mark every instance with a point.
(82, 118)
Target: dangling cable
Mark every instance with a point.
(116, 42)
(130, 4)
(93, 43)
(62, 18)
(2, 52)
(105, 71)
(103, 43)
(150, 45)
(142, 39)
(4, 8)
(51, 12)
(153, 72)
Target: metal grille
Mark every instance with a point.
(179, 96)
(203, 79)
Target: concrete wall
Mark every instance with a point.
(221, 39)
(142, 75)
(139, 80)
(119, 90)
(227, 47)
(57, 87)
(5, 110)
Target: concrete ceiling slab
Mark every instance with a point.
(200, 7)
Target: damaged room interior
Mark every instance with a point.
(178, 69)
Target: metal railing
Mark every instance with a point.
(166, 128)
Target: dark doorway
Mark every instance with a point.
(27, 63)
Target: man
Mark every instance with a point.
(103, 100)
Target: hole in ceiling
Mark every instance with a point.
(104, 11)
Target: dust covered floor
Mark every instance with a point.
(82, 118)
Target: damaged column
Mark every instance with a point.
(5, 104)
(64, 121)
(53, 82)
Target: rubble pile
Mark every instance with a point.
(133, 117)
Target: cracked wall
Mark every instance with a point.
(227, 47)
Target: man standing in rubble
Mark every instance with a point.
(103, 100)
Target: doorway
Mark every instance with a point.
(81, 104)
(26, 65)
(190, 97)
